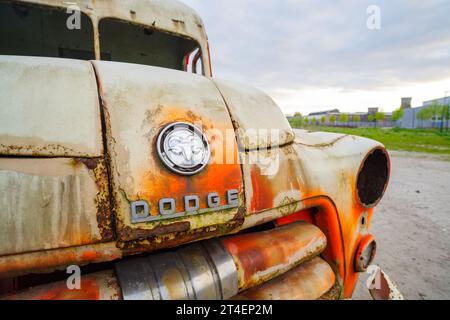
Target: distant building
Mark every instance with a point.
(410, 120)
(318, 115)
(372, 111)
(363, 117)
(406, 103)
(444, 101)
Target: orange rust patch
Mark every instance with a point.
(266, 188)
(47, 261)
(102, 200)
(308, 281)
(89, 255)
(258, 252)
(263, 195)
(89, 291)
(170, 240)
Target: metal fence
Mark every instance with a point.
(362, 124)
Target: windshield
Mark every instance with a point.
(31, 30)
(28, 30)
(125, 42)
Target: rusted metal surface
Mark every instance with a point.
(333, 294)
(256, 117)
(97, 286)
(173, 239)
(319, 170)
(50, 260)
(69, 196)
(43, 112)
(262, 256)
(166, 15)
(365, 253)
(212, 269)
(138, 102)
(309, 281)
(52, 203)
(99, 172)
(274, 181)
(382, 288)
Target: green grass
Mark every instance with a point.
(416, 140)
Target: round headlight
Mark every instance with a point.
(373, 177)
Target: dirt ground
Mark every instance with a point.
(412, 227)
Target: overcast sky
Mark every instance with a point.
(312, 55)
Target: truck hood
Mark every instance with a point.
(139, 102)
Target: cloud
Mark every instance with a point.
(293, 46)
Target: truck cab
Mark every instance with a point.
(122, 156)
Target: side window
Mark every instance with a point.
(30, 30)
(125, 42)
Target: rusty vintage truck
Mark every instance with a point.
(121, 155)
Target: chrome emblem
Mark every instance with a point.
(193, 205)
(183, 148)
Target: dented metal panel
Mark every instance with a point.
(258, 120)
(52, 203)
(309, 281)
(49, 107)
(139, 101)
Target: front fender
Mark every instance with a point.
(319, 170)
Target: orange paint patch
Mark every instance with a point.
(304, 215)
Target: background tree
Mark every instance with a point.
(424, 114)
(370, 118)
(296, 121)
(397, 114)
(323, 119)
(313, 121)
(379, 116)
(297, 114)
(343, 118)
(356, 118)
(332, 118)
(435, 111)
(306, 121)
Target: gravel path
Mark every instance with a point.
(412, 227)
